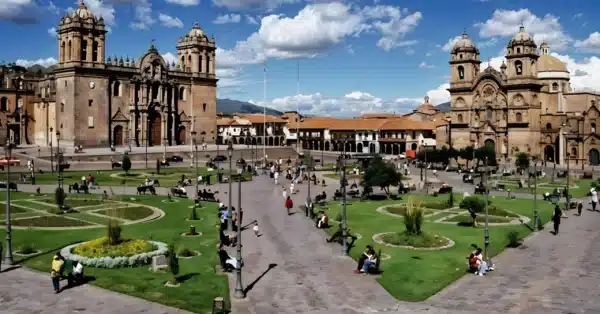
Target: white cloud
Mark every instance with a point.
(320, 26)
(143, 15)
(585, 74)
(425, 65)
(170, 58)
(506, 23)
(169, 21)
(185, 3)
(101, 9)
(450, 43)
(43, 62)
(251, 20)
(20, 11)
(590, 44)
(228, 19)
(246, 4)
(52, 32)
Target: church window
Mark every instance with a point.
(519, 117)
(518, 50)
(117, 89)
(90, 102)
(555, 87)
(189, 65)
(69, 47)
(461, 72)
(593, 128)
(62, 52)
(460, 118)
(83, 50)
(460, 56)
(62, 107)
(20, 84)
(518, 67)
(3, 104)
(95, 51)
(91, 122)
(548, 126)
(204, 107)
(182, 93)
(208, 64)
(200, 64)
(182, 63)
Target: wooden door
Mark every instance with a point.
(156, 131)
(118, 136)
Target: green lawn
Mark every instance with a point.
(577, 188)
(129, 213)
(196, 292)
(48, 221)
(416, 275)
(168, 177)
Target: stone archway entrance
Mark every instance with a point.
(155, 130)
(490, 144)
(549, 153)
(181, 135)
(118, 136)
(594, 157)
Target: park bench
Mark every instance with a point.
(207, 196)
(588, 175)
(354, 193)
(337, 195)
(159, 263)
(480, 189)
(561, 174)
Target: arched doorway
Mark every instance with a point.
(181, 135)
(118, 136)
(594, 157)
(270, 141)
(359, 148)
(490, 144)
(395, 150)
(352, 147)
(259, 141)
(155, 130)
(253, 141)
(277, 141)
(334, 146)
(388, 149)
(549, 153)
(241, 141)
(281, 141)
(372, 148)
(348, 147)
(413, 146)
(327, 146)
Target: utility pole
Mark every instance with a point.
(298, 105)
(344, 213)
(8, 257)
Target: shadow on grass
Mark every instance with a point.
(186, 277)
(13, 267)
(252, 284)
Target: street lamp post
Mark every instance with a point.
(8, 257)
(217, 159)
(567, 196)
(309, 161)
(535, 211)
(425, 166)
(59, 178)
(51, 153)
(196, 159)
(147, 141)
(230, 155)
(239, 289)
(486, 232)
(344, 182)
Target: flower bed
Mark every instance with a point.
(144, 258)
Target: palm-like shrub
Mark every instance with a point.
(173, 263)
(113, 232)
(413, 218)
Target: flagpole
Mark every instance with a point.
(297, 105)
(265, 113)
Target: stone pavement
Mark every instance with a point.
(24, 291)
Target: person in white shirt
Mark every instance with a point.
(77, 274)
(255, 229)
(593, 198)
(276, 177)
(284, 193)
(292, 188)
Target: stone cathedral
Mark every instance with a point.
(94, 100)
(527, 106)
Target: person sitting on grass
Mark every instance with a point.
(363, 257)
(480, 265)
(323, 221)
(370, 263)
(76, 276)
(227, 262)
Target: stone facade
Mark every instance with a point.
(527, 106)
(95, 101)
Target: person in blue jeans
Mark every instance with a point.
(370, 262)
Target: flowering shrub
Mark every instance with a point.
(99, 261)
(102, 247)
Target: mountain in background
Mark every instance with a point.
(444, 107)
(230, 106)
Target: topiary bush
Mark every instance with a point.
(113, 232)
(451, 199)
(173, 263)
(474, 205)
(59, 197)
(185, 252)
(513, 239)
(193, 214)
(126, 164)
(27, 248)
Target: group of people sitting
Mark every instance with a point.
(90, 181)
(75, 277)
(367, 261)
(322, 221)
(228, 238)
(477, 264)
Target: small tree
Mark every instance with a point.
(59, 197)
(173, 263)
(157, 166)
(474, 205)
(113, 232)
(522, 161)
(467, 154)
(381, 174)
(451, 199)
(193, 214)
(126, 164)
(413, 218)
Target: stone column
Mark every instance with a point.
(90, 42)
(101, 49)
(211, 67)
(203, 65)
(143, 128)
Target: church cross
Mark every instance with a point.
(489, 62)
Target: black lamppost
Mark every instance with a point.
(217, 158)
(8, 258)
(59, 178)
(51, 153)
(322, 156)
(486, 232)
(425, 166)
(196, 159)
(230, 155)
(147, 141)
(239, 289)
(343, 183)
(309, 162)
(535, 211)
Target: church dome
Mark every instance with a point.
(464, 43)
(196, 32)
(82, 12)
(522, 35)
(548, 63)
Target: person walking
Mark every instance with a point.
(556, 217)
(276, 177)
(57, 267)
(289, 204)
(284, 193)
(593, 198)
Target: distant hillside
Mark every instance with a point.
(444, 107)
(233, 106)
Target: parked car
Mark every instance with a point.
(220, 158)
(12, 185)
(175, 158)
(12, 160)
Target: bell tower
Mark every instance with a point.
(464, 61)
(81, 39)
(522, 57)
(196, 53)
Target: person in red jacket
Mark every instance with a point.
(289, 204)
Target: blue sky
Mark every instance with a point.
(353, 57)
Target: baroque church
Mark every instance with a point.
(93, 100)
(527, 106)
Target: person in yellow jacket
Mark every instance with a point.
(58, 263)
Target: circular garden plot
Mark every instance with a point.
(78, 213)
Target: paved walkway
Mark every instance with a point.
(24, 291)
